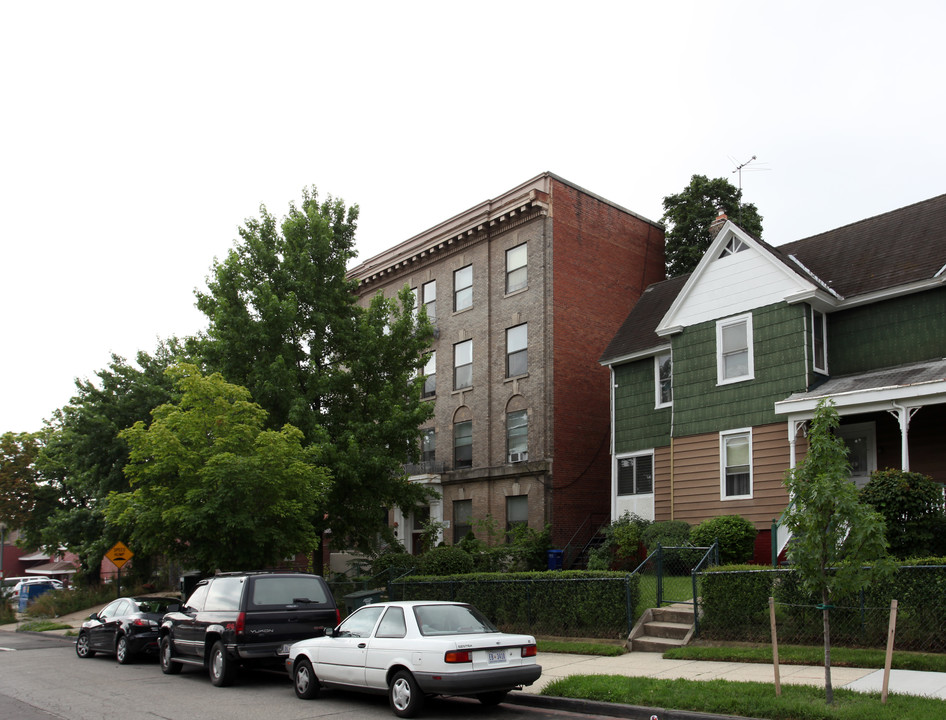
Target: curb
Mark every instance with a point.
(595, 707)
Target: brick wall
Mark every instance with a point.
(602, 259)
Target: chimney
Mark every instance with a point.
(717, 225)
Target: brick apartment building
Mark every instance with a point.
(525, 292)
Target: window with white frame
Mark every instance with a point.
(819, 341)
(463, 288)
(517, 435)
(429, 298)
(734, 246)
(735, 452)
(430, 375)
(517, 354)
(463, 444)
(734, 354)
(663, 379)
(516, 268)
(635, 474)
(463, 365)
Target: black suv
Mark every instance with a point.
(238, 619)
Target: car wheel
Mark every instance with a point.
(305, 681)
(492, 698)
(83, 647)
(222, 668)
(168, 666)
(405, 695)
(122, 653)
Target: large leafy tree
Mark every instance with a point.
(18, 478)
(689, 214)
(211, 487)
(83, 456)
(838, 545)
(284, 323)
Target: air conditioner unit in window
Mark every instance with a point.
(518, 457)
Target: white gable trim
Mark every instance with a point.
(671, 322)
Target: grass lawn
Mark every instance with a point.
(756, 700)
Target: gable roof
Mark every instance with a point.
(899, 248)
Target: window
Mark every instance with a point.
(225, 594)
(463, 288)
(463, 444)
(516, 273)
(736, 462)
(429, 291)
(517, 512)
(819, 341)
(517, 354)
(428, 445)
(663, 379)
(463, 365)
(517, 435)
(636, 475)
(430, 376)
(734, 349)
(732, 247)
(462, 519)
(392, 625)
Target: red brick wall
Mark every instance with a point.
(603, 258)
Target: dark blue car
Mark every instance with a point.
(125, 628)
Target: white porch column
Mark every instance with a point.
(903, 416)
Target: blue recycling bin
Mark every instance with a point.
(555, 559)
(30, 591)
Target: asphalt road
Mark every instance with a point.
(41, 678)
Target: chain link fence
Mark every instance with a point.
(734, 606)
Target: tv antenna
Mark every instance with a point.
(740, 166)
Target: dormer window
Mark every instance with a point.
(732, 247)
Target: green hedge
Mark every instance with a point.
(734, 603)
(571, 603)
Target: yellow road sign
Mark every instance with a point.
(119, 554)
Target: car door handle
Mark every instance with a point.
(362, 645)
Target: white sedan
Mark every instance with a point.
(413, 649)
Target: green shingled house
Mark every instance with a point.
(714, 375)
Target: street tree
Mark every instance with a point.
(284, 323)
(211, 487)
(82, 457)
(18, 478)
(838, 545)
(689, 214)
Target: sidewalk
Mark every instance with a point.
(640, 664)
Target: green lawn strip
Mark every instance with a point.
(41, 626)
(810, 655)
(580, 648)
(745, 699)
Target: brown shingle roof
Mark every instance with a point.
(637, 332)
(896, 248)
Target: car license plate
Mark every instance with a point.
(496, 656)
(284, 649)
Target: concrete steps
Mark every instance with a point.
(660, 629)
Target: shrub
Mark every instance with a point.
(912, 507)
(399, 562)
(446, 560)
(669, 533)
(736, 537)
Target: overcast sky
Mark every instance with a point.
(137, 137)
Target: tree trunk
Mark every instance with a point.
(828, 690)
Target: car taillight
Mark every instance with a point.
(529, 651)
(240, 623)
(458, 656)
(338, 617)
(141, 622)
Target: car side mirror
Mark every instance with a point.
(94, 616)
(327, 632)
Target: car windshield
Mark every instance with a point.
(451, 620)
